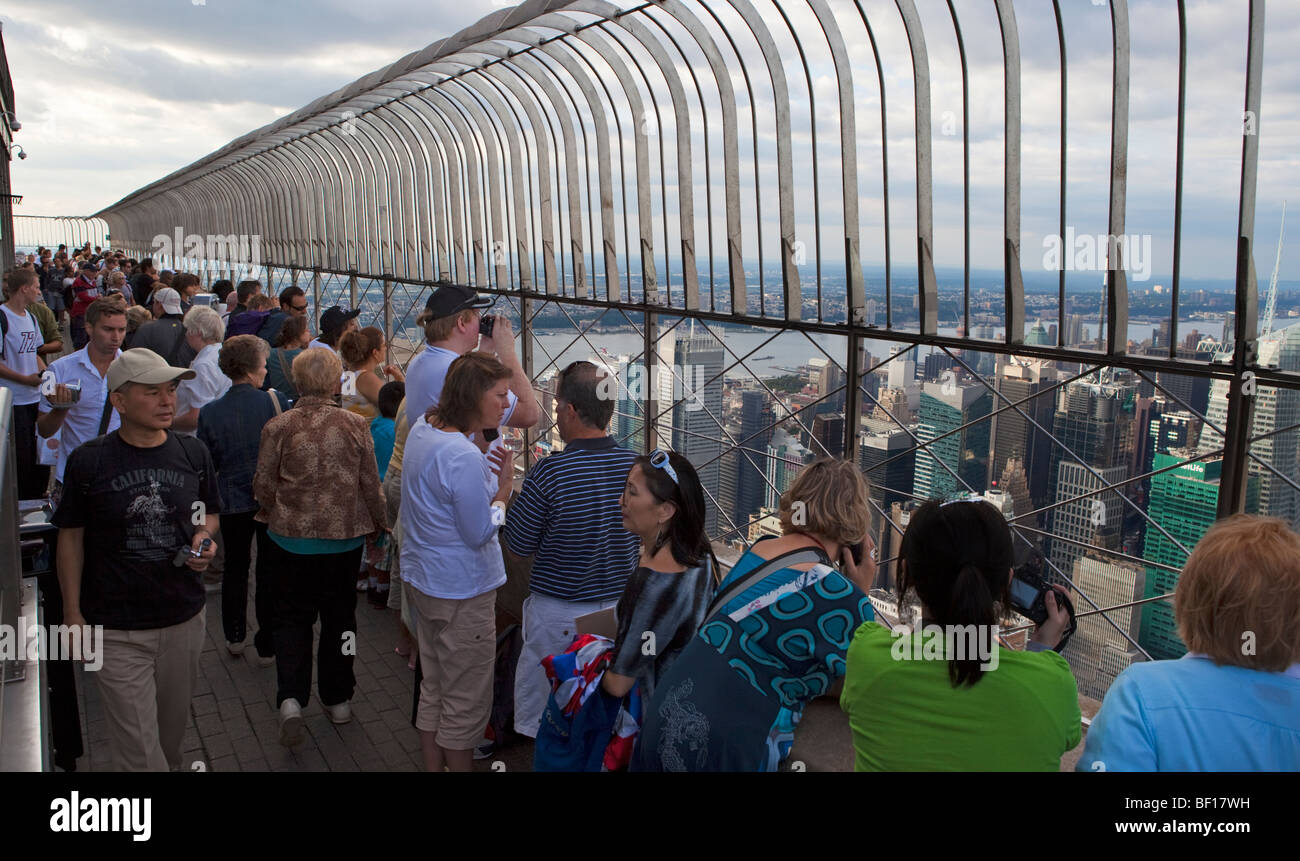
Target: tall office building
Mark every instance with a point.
(962, 454)
(696, 431)
(827, 435)
(1015, 483)
(786, 458)
(628, 424)
(756, 419)
(1094, 422)
(888, 460)
(1098, 652)
(1184, 502)
(935, 364)
(1015, 435)
(1274, 409)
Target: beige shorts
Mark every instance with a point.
(457, 641)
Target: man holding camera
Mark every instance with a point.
(453, 326)
(79, 406)
(137, 507)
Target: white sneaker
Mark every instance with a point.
(340, 713)
(290, 723)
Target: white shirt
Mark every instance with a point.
(425, 376)
(21, 341)
(82, 422)
(205, 388)
(317, 342)
(449, 545)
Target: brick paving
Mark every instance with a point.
(234, 724)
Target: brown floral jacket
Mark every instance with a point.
(316, 473)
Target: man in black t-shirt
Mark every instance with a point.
(134, 502)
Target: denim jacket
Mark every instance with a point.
(231, 428)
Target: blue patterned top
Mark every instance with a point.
(733, 698)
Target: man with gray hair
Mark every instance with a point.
(204, 333)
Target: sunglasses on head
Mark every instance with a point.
(659, 460)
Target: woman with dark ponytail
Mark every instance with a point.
(948, 697)
(665, 598)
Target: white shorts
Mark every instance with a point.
(548, 630)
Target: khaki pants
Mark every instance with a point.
(457, 641)
(145, 685)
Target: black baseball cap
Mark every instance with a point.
(334, 318)
(449, 298)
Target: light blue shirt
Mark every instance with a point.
(425, 376)
(449, 543)
(1193, 715)
(82, 422)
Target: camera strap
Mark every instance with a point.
(107, 414)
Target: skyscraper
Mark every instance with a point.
(786, 459)
(1184, 502)
(756, 419)
(953, 453)
(891, 482)
(698, 417)
(1014, 435)
(1098, 652)
(1275, 408)
(1093, 422)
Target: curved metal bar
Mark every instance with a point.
(1117, 286)
(1013, 285)
(457, 142)
(487, 90)
(927, 289)
(444, 261)
(542, 76)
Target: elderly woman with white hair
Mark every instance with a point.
(204, 332)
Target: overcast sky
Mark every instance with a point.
(114, 96)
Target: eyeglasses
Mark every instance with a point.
(659, 460)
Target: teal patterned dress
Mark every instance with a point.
(732, 699)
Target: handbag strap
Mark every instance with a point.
(275, 401)
(285, 371)
(785, 560)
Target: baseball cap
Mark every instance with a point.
(451, 298)
(170, 299)
(89, 265)
(143, 366)
(334, 318)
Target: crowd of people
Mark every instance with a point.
(221, 427)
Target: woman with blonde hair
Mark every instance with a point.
(774, 636)
(1233, 702)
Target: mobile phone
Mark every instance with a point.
(485, 324)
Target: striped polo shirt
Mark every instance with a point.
(567, 516)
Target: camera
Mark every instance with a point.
(185, 553)
(1029, 591)
(485, 324)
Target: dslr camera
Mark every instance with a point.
(1029, 594)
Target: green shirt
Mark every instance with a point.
(316, 546)
(1022, 715)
